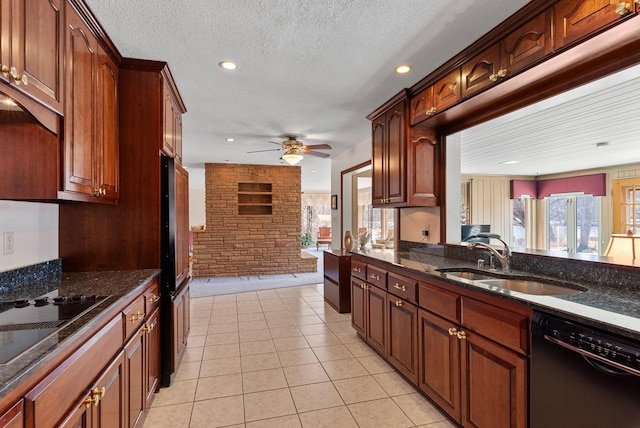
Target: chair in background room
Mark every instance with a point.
(324, 237)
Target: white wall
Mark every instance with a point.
(35, 233)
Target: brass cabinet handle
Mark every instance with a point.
(4, 70)
(398, 287)
(147, 328)
(461, 335)
(453, 331)
(137, 316)
(91, 399)
(374, 276)
(399, 302)
(17, 78)
(432, 111)
(495, 76)
(623, 8)
(362, 286)
(99, 392)
(153, 299)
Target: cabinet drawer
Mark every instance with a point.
(505, 327)
(332, 267)
(377, 277)
(403, 287)
(133, 316)
(52, 398)
(439, 301)
(152, 297)
(359, 269)
(14, 417)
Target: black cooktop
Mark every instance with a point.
(25, 322)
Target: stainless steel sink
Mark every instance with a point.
(533, 287)
(471, 276)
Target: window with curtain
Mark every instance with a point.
(574, 223)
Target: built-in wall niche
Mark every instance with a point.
(255, 199)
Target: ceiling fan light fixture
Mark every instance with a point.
(291, 157)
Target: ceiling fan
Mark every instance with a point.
(294, 150)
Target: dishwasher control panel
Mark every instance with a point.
(604, 346)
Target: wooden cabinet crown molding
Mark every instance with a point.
(156, 67)
(90, 20)
(400, 96)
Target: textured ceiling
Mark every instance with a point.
(305, 67)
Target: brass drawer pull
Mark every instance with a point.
(374, 276)
(398, 287)
(399, 302)
(137, 316)
(153, 299)
(453, 331)
(461, 335)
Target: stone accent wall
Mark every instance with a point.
(242, 245)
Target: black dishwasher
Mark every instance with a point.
(582, 376)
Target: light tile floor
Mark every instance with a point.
(283, 358)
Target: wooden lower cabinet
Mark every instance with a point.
(14, 417)
(439, 362)
(358, 305)
(181, 324)
(104, 403)
(376, 319)
(153, 355)
(476, 381)
(136, 387)
(368, 309)
(494, 384)
(402, 345)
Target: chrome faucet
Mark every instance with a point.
(504, 257)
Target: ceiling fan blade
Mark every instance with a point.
(318, 147)
(318, 154)
(268, 150)
(273, 142)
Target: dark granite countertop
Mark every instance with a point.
(609, 307)
(117, 285)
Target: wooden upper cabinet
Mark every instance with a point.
(388, 137)
(81, 53)
(575, 19)
(440, 96)
(480, 71)
(172, 139)
(528, 44)
(31, 48)
(422, 168)
(108, 176)
(91, 156)
(182, 223)
(378, 137)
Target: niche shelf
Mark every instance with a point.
(255, 199)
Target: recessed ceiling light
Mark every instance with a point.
(403, 69)
(509, 162)
(229, 140)
(228, 65)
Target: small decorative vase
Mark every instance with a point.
(348, 241)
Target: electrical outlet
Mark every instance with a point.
(425, 232)
(8, 243)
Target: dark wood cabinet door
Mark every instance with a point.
(422, 169)
(182, 223)
(181, 322)
(402, 345)
(110, 411)
(32, 43)
(396, 152)
(168, 142)
(446, 91)
(439, 362)
(177, 136)
(376, 319)
(528, 44)
(14, 416)
(81, 51)
(81, 417)
(358, 305)
(420, 105)
(136, 378)
(107, 152)
(575, 19)
(494, 382)
(378, 159)
(153, 354)
(477, 72)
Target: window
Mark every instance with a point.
(574, 223)
(626, 206)
(518, 224)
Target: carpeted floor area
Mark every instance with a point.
(214, 286)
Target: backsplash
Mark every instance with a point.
(12, 280)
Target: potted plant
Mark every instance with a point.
(306, 240)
